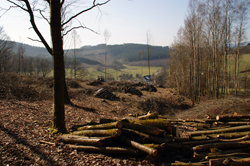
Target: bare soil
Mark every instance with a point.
(26, 113)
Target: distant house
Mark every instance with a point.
(147, 78)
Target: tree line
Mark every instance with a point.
(13, 59)
(202, 53)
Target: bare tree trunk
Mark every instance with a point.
(58, 63)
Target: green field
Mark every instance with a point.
(243, 65)
(93, 73)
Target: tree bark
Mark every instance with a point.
(58, 115)
(141, 147)
(81, 140)
(230, 117)
(159, 123)
(114, 150)
(229, 162)
(247, 137)
(225, 130)
(150, 137)
(222, 145)
(101, 126)
(99, 133)
(224, 156)
(142, 128)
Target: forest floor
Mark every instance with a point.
(26, 118)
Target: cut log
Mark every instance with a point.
(101, 126)
(159, 147)
(237, 123)
(222, 145)
(104, 120)
(224, 117)
(148, 116)
(225, 130)
(113, 150)
(202, 155)
(162, 133)
(142, 128)
(229, 162)
(139, 146)
(154, 139)
(247, 137)
(229, 135)
(159, 123)
(231, 155)
(74, 139)
(99, 133)
(189, 164)
(175, 146)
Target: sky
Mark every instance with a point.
(128, 21)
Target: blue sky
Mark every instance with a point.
(128, 21)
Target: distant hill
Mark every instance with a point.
(96, 54)
(128, 52)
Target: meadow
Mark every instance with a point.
(93, 72)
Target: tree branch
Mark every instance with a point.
(32, 21)
(21, 7)
(40, 11)
(34, 40)
(78, 28)
(94, 5)
(62, 2)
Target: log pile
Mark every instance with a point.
(127, 136)
(220, 140)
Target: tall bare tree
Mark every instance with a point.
(106, 38)
(149, 36)
(56, 27)
(6, 51)
(141, 54)
(20, 55)
(76, 41)
(242, 16)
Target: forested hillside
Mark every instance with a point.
(94, 54)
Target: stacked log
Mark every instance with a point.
(221, 140)
(126, 136)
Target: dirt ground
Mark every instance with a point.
(26, 113)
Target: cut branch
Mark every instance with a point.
(222, 145)
(105, 149)
(98, 133)
(81, 140)
(142, 128)
(101, 126)
(225, 117)
(225, 130)
(230, 161)
(150, 137)
(139, 146)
